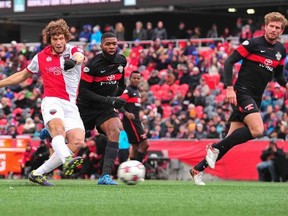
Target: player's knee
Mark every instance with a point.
(257, 132)
(114, 134)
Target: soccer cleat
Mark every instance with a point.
(44, 134)
(71, 164)
(211, 156)
(197, 176)
(106, 180)
(39, 179)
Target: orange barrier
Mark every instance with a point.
(11, 153)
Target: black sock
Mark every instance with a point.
(201, 166)
(140, 156)
(111, 153)
(239, 136)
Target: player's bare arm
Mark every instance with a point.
(15, 78)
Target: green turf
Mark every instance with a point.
(85, 197)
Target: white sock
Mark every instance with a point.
(52, 163)
(60, 147)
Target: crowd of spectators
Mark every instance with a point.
(182, 85)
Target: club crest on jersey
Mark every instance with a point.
(245, 43)
(86, 69)
(53, 111)
(48, 59)
(120, 68)
(278, 56)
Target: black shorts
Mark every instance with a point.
(92, 117)
(246, 104)
(134, 130)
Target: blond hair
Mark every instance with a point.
(56, 27)
(275, 17)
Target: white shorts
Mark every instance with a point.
(53, 107)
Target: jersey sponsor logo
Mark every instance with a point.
(121, 69)
(249, 107)
(55, 70)
(53, 111)
(268, 62)
(278, 56)
(245, 43)
(86, 69)
(113, 82)
(111, 77)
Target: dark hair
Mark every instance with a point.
(107, 35)
(134, 72)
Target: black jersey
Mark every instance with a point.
(102, 76)
(133, 100)
(260, 61)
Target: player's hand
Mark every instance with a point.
(69, 63)
(231, 95)
(115, 102)
(129, 115)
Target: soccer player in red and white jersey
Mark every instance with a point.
(59, 64)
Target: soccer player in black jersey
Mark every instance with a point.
(102, 81)
(262, 60)
(132, 124)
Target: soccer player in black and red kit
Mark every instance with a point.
(262, 60)
(101, 82)
(132, 124)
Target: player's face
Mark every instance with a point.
(58, 43)
(135, 79)
(273, 30)
(109, 46)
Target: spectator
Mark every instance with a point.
(154, 78)
(85, 34)
(95, 37)
(213, 32)
(271, 158)
(139, 33)
(181, 32)
(40, 155)
(159, 32)
(26, 162)
(74, 34)
(226, 33)
(149, 30)
(29, 126)
(245, 34)
(120, 31)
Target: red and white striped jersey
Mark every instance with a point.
(56, 81)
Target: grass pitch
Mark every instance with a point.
(152, 197)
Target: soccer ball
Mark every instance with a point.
(131, 172)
